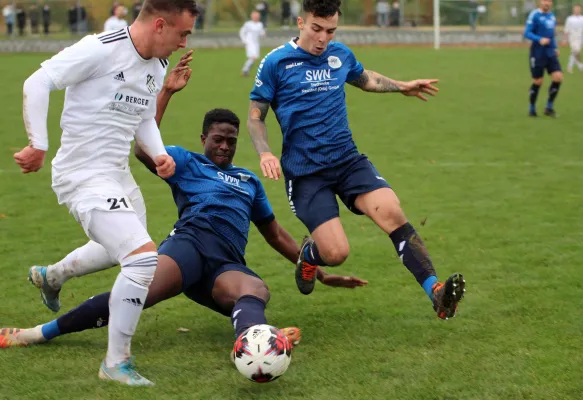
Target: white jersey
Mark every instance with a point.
(111, 89)
(251, 33)
(113, 23)
(574, 28)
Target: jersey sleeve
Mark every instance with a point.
(181, 157)
(262, 213)
(355, 67)
(530, 28)
(77, 63)
(266, 81)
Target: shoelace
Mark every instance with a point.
(308, 271)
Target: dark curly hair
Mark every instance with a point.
(217, 116)
(323, 8)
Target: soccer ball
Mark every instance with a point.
(262, 353)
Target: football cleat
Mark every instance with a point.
(293, 335)
(50, 297)
(549, 112)
(447, 295)
(532, 114)
(125, 373)
(10, 337)
(306, 274)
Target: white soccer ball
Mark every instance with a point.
(262, 353)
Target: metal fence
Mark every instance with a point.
(61, 18)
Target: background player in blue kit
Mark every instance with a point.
(544, 55)
(303, 82)
(203, 257)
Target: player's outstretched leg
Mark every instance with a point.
(85, 260)
(246, 296)
(382, 206)
(247, 66)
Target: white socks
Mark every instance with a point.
(248, 65)
(82, 261)
(126, 302)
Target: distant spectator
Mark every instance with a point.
(77, 19)
(199, 24)
(395, 14)
(46, 18)
(473, 13)
(136, 8)
(34, 16)
(20, 19)
(113, 7)
(382, 11)
(263, 8)
(285, 13)
(295, 9)
(116, 21)
(8, 13)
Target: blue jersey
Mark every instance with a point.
(541, 25)
(306, 93)
(224, 200)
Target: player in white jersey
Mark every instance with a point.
(251, 33)
(116, 21)
(112, 81)
(573, 34)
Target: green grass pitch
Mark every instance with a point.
(500, 195)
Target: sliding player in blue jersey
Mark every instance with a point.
(544, 55)
(303, 82)
(203, 257)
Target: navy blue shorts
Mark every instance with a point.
(312, 198)
(538, 65)
(202, 256)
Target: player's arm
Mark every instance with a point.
(258, 130)
(149, 142)
(243, 33)
(175, 82)
(281, 241)
(529, 31)
(371, 81)
(77, 63)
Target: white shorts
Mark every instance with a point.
(111, 210)
(252, 50)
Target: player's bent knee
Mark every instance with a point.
(140, 268)
(148, 247)
(538, 81)
(335, 255)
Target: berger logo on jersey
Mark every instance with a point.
(119, 96)
(151, 84)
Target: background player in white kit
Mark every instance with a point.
(116, 21)
(573, 34)
(251, 33)
(112, 81)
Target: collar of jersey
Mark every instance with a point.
(142, 59)
(230, 166)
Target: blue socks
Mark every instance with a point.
(51, 330)
(248, 311)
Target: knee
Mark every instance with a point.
(335, 255)
(558, 77)
(140, 268)
(538, 81)
(226, 297)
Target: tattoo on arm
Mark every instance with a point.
(371, 81)
(256, 125)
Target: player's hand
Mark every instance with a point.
(180, 74)
(165, 166)
(349, 282)
(419, 88)
(557, 52)
(270, 166)
(544, 41)
(30, 159)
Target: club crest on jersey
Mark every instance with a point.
(244, 177)
(334, 62)
(151, 84)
